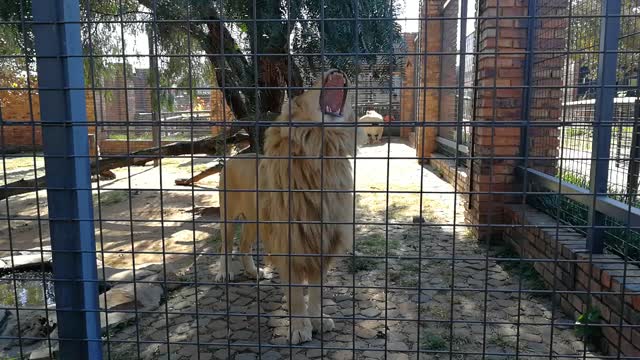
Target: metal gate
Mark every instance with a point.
(138, 135)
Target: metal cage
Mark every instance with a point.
(496, 218)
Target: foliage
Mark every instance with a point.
(432, 341)
(617, 238)
(584, 328)
(225, 42)
(357, 264)
(585, 36)
(376, 245)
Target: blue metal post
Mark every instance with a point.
(604, 111)
(66, 149)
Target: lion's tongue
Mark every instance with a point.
(333, 94)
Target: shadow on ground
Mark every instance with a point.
(411, 285)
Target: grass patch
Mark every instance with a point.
(432, 341)
(409, 282)
(111, 197)
(436, 312)
(617, 239)
(502, 341)
(403, 279)
(21, 163)
(467, 233)
(407, 274)
(530, 277)
(376, 245)
(358, 264)
(577, 131)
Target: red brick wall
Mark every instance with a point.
(500, 63)
(428, 99)
(18, 106)
(574, 276)
(448, 72)
(119, 147)
(547, 79)
(407, 95)
(120, 104)
(15, 107)
(446, 170)
(220, 111)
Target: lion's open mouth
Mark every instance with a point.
(334, 94)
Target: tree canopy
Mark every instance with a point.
(585, 29)
(255, 49)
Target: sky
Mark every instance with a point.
(411, 10)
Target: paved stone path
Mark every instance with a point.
(397, 307)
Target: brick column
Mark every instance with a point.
(429, 97)
(407, 94)
(547, 79)
(219, 110)
(500, 63)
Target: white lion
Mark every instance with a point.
(374, 133)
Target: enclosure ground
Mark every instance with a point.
(376, 301)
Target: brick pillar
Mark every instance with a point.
(91, 117)
(219, 110)
(547, 79)
(428, 110)
(500, 63)
(407, 94)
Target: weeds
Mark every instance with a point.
(111, 197)
(358, 264)
(524, 269)
(406, 274)
(584, 328)
(617, 239)
(432, 341)
(502, 341)
(376, 245)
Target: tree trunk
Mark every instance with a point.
(22, 186)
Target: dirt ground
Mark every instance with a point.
(394, 303)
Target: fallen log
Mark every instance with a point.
(208, 172)
(22, 186)
(210, 146)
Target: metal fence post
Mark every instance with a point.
(66, 150)
(527, 95)
(603, 117)
(634, 154)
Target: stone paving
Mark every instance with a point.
(398, 306)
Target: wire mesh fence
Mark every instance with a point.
(494, 218)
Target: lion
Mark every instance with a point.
(304, 203)
(374, 133)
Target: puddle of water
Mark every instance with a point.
(29, 288)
